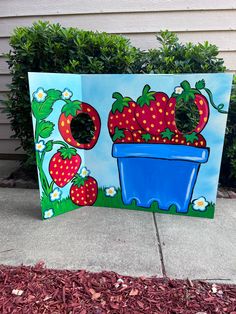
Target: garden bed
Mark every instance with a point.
(40, 290)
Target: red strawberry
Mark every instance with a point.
(64, 165)
(84, 191)
(122, 114)
(72, 109)
(150, 111)
(187, 96)
(190, 139)
(122, 136)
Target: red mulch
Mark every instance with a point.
(61, 291)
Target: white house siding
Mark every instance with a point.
(139, 20)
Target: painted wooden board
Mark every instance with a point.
(112, 140)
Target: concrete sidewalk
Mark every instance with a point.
(128, 242)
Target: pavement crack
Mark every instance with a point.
(159, 247)
(6, 251)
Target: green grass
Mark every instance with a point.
(66, 205)
(117, 202)
(59, 207)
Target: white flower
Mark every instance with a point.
(55, 195)
(40, 146)
(178, 90)
(111, 191)
(66, 94)
(48, 214)
(40, 94)
(200, 204)
(84, 172)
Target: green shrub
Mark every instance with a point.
(48, 47)
(175, 57)
(228, 165)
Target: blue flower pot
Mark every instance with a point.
(164, 173)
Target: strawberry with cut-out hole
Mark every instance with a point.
(150, 111)
(188, 96)
(84, 190)
(121, 115)
(122, 136)
(64, 165)
(69, 111)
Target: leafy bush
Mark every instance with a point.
(228, 165)
(176, 57)
(48, 47)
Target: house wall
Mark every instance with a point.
(139, 20)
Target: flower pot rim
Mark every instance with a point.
(161, 151)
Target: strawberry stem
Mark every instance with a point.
(219, 107)
(146, 97)
(78, 180)
(120, 102)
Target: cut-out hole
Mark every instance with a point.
(82, 128)
(186, 116)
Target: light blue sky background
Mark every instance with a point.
(97, 91)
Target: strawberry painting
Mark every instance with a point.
(159, 129)
(188, 96)
(71, 110)
(84, 190)
(122, 115)
(150, 111)
(64, 165)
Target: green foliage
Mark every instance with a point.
(228, 165)
(46, 47)
(175, 57)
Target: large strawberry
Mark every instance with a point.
(84, 191)
(188, 96)
(64, 165)
(69, 111)
(150, 111)
(122, 114)
(122, 136)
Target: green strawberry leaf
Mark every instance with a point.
(119, 134)
(67, 152)
(167, 134)
(146, 137)
(49, 146)
(45, 128)
(190, 138)
(146, 97)
(187, 94)
(78, 180)
(200, 84)
(185, 85)
(71, 107)
(41, 110)
(120, 102)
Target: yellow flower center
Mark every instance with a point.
(200, 203)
